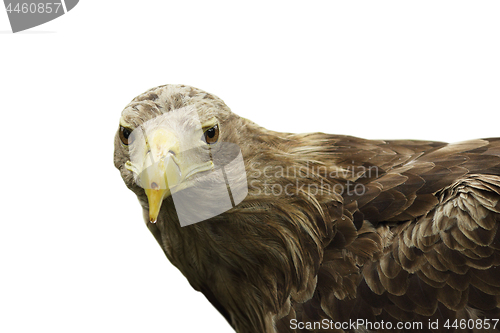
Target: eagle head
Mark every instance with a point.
(180, 141)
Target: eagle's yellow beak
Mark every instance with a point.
(155, 198)
(161, 172)
(164, 169)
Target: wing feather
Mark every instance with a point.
(437, 218)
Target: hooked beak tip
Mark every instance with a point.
(155, 199)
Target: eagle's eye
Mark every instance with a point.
(211, 135)
(126, 135)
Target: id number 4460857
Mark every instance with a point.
(471, 324)
(32, 8)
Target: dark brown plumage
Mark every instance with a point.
(393, 231)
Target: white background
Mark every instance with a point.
(75, 255)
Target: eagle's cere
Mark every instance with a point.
(333, 228)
